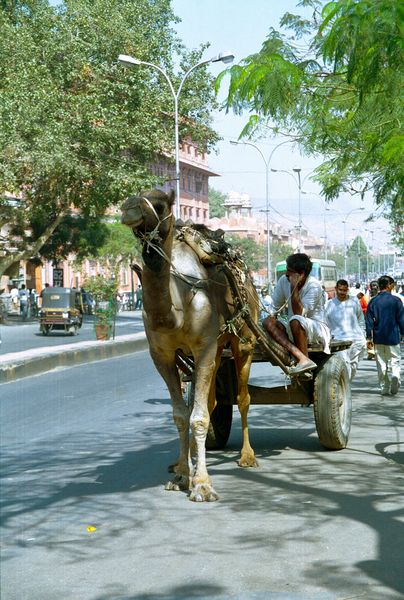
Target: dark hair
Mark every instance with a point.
(342, 282)
(300, 263)
(384, 281)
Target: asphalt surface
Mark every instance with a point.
(85, 516)
(25, 352)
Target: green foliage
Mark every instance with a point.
(120, 247)
(252, 253)
(76, 128)
(75, 234)
(280, 251)
(101, 288)
(216, 203)
(339, 92)
(103, 291)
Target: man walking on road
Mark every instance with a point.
(346, 321)
(384, 326)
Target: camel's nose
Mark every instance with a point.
(131, 213)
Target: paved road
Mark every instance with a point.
(87, 447)
(19, 336)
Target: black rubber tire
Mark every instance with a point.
(219, 427)
(333, 403)
(222, 416)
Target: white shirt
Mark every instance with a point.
(311, 296)
(345, 319)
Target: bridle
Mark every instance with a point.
(148, 237)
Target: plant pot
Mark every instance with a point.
(102, 332)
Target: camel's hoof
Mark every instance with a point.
(203, 492)
(248, 461)
(179, 483)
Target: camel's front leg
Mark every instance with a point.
(243, 364)
(183, 467)
(201, 489)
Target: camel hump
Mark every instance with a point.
(210, 246)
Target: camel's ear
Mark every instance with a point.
(172, 197)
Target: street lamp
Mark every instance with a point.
(344, 221)
(299, 185)
(267, 164)
(324, 221)
(129, 61)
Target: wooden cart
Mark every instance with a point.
(327, 389)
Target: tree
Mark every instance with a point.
(252, 253)
(120, 248)
(358, 257)
(280, 251)
(335, 84)
(216, 203)
(77, 130)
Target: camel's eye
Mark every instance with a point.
(159, 208)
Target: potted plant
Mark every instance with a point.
(103, 292)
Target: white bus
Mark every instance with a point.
(323, 270)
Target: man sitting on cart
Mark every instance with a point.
(305, 321)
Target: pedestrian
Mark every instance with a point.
(139, 298)
(362, 301)
(384, 327)
(23, 295)
(33, 302)
(305, 322)
(373, 290)
(346, 321)
(266, 303)
(14, 298)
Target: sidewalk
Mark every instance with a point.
(16, 365)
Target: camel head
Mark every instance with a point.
(148, 211)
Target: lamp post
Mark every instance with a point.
(267, 163)
(344, 221)
(299, 185)
(371, 231)
(129, 61)
(324, 221)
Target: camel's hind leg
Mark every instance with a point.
(183, 468)
(243, 361)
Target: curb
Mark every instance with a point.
(40, 360)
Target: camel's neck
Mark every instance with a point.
(157, 300)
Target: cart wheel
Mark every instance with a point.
(333, 403)
(219, 427)
(222, 416)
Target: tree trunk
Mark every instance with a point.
(33, 248)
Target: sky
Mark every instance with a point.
(241, 27)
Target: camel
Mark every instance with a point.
(186, 306)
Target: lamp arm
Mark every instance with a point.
(200, 64)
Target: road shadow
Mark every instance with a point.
(109, 471)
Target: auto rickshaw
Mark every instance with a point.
(62, 310)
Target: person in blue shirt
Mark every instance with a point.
(384, 328)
